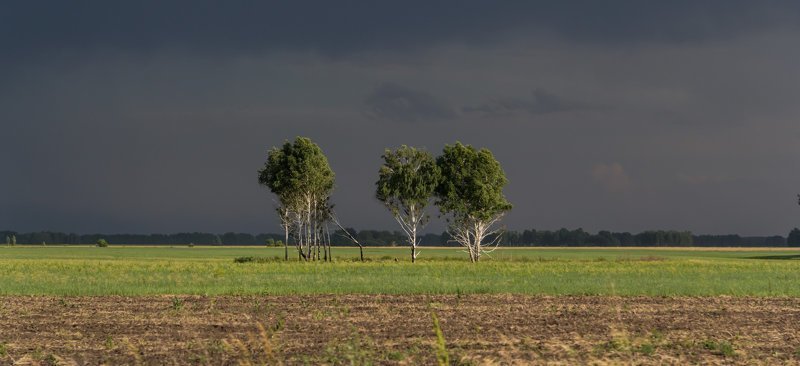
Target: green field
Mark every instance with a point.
(131, 270)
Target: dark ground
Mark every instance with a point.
(376, 329)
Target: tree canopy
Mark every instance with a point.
(297, 169)
(407, 178)
(406, 182)
(472, 183)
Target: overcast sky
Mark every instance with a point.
(154, 116)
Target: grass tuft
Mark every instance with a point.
(442, 356)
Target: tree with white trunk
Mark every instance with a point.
(299, 175)
(406, 182)
(470, 193)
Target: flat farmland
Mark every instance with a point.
(116, 270)
(179, 305)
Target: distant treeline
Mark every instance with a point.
(562, 237)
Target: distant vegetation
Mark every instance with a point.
(562, 237)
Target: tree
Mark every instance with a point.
(102, 243)
(471, 193)
(8, 240)
(793, 240)
(406, 182)
(13, 240)
(299, 175)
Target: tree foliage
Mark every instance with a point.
(471, 192)
(298, 173)
(406, 181)
(472, 183)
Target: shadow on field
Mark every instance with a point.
(779, 257)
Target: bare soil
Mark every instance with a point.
(397, 330)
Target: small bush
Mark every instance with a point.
(109, 343)
(647, 349)
(51, 359)
(395, 356)
(177, 303)
(257, 259)
(726, 348)
(102, 243)
(723, 348)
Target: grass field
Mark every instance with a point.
(117, 270)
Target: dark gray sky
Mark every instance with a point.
(621, 115)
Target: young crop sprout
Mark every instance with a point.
(406, 182)
(471, 194)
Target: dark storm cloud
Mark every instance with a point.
(395, 102)
(542, 102)
(154, 116)
(46, 29)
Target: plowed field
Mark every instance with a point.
(384, 329)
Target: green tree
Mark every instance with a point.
(406, 182)
(102, 243)
(793, 240)
(471, 193)
(299, 175)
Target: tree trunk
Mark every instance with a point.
(327, 246)
(471, 253)
(286, 243)
(413, 231)
(308, 228)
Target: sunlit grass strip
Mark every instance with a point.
(681, 276)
